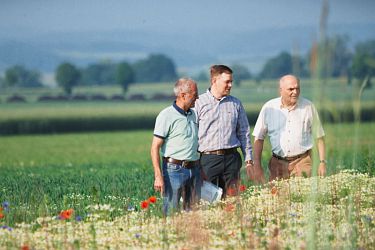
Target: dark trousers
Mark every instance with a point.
(222, 170)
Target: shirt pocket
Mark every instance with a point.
(306, 130)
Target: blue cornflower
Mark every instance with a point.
(78, 218)
(5, 205)
(6, 227)
(131, 208)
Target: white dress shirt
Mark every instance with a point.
(290, 131)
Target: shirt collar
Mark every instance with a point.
(292, 108)
(213, 97)
(180, 110)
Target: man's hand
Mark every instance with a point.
(255, 172)
(322, 169)
(159, 184)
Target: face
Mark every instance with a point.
(191, 96)
(289, 90)
(223, 84)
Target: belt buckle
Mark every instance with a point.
(184, 164)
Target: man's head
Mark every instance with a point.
(186, 92)
(221, 80)
(289, 89)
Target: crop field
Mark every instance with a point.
(93, 190)
(98, 181)
(337, 101)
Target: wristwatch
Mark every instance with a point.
(249, 162)
(323, 161)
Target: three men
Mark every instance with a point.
(220, 127)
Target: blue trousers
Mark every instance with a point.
(180, 182)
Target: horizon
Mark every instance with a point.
(193, 34)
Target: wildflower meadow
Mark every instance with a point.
(94, 191)
(335, 212)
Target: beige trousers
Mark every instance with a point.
(281, 169)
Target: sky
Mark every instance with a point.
(30, 18)
(186, 28)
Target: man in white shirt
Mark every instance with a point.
(292, 123)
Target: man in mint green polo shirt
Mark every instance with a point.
(176, 138)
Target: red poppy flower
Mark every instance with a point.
(25, 247)
(144, 204)
(66, 214)
(229, 207)
(242, 188)
(1, 215)
(231, 191)
(274, 190)
(152, 199)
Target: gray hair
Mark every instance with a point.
(183, 85)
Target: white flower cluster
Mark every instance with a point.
(321, 212)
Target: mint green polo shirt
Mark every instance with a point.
(179, 129)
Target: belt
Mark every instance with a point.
(184, 164)
(290, 158)
(226, 151)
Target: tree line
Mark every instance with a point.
(339, 60)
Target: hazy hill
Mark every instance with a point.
(190, 51)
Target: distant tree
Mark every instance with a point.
(124, 75)
(277, 66)
(336, 56)
(340, 56)
(240, 73)
(364, 61)
(67, 76)
(155, 68)
(99, 74)
(21, 77)
(2, 82)
(202, 76)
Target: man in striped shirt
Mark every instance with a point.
(223, 128)
(292, 123)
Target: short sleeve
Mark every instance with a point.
(161, 129)
(318, 128)
(260, 128)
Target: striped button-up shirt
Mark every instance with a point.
(222, 124)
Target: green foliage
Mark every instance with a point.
(364, 60)
(201, 76)
(2, 82)
(240, 73)
(18, 76)
(99, 74)
(339, 56)
(72, 169)
(282, 64)
(124, 75)
(155, 68)
(67, 76)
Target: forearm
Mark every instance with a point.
(258, 148)
(321, 149)
(155, 158)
